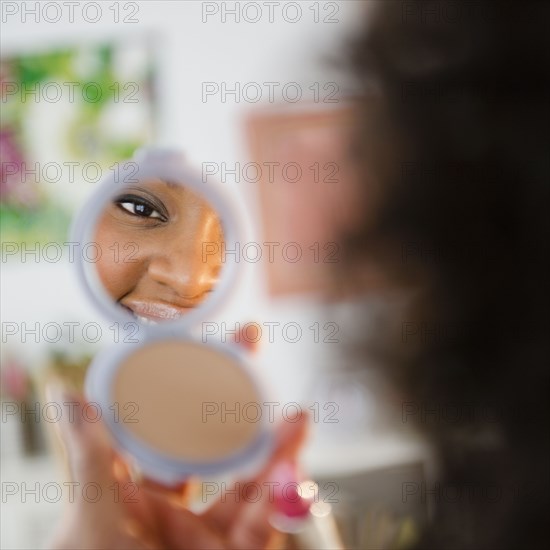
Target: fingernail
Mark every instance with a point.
(288, 499)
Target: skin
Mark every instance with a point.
(152, 236)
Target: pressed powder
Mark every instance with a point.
(189, 398)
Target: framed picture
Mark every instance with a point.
(301, 157)
(67, 116)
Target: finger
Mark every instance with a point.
(99, 482)
(252, 527)
(84, 439)
(178, 494)
(249, 336)
(290, 438)
(181, 529)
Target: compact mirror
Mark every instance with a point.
(153, 240)
(154, 245)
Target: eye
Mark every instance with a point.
(139, 207)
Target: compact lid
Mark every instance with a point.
(139, 220)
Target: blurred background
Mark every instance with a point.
(81, 91)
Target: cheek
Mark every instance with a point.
(120, 264)
(213, 237)
(118, 277)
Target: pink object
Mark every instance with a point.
(288, 499)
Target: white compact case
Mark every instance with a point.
(157, 461)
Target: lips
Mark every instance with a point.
(153, 312)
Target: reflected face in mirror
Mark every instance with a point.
(151, 235)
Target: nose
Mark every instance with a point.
(184, 270)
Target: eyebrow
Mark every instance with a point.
(172, 184)
(141, 185)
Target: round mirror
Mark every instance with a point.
(154, 246)
(159, 234)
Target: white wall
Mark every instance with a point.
(190, 52)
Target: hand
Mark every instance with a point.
(145, 516)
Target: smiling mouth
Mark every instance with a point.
(151, 313)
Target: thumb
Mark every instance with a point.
(86, 443)
(106, 513)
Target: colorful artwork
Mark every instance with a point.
(67, 117)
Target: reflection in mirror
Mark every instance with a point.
(153, 235)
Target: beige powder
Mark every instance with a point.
(175, 385)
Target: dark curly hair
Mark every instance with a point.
(454, 146)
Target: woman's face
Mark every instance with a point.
(152, 236)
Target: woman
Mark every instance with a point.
(453, 142)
